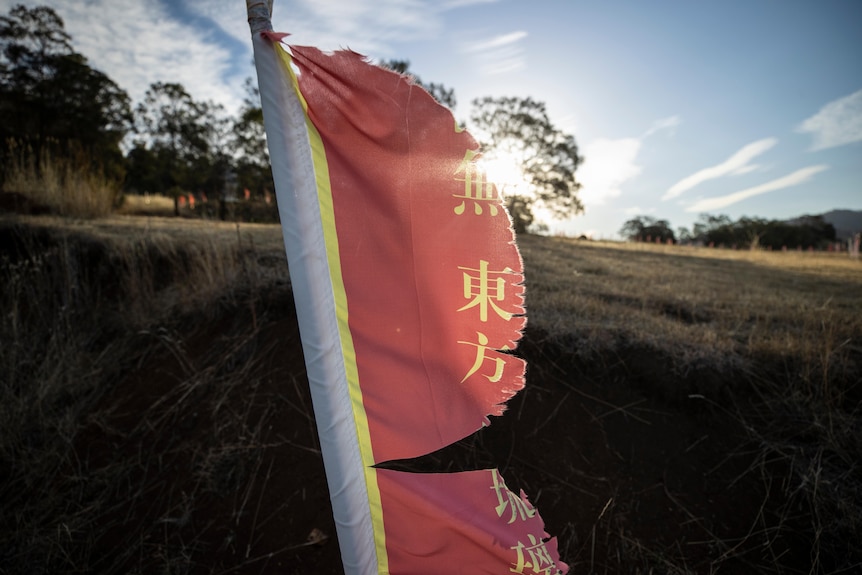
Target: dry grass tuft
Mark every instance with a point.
(67, 185)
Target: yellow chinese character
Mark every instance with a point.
(476, 188)
(506, 498)
(534, 557)
(484, 290)
(481, 358)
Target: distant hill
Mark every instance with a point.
(846, 222)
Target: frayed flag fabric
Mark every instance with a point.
(409, 293)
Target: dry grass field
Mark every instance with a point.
(687, 410)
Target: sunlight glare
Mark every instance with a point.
(504, 170)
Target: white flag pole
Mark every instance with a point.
(296, 191)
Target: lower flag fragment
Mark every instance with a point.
(466, 522)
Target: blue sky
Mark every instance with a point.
(735, 107)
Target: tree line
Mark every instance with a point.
(746, 232)
(53, 102)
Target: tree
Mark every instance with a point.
(519, 130)
(812, 231)
(249, 144)
(30, 39)
(439, 92)
(757, 233)
(646, 228)
(186, 142)
(49, 93)
(715, 229)
(519, 208)
(144, 169)
(170, 118)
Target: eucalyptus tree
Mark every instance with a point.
(182, 145)
(249, 144)
(647, 228)
(50, 97)
(519, 131)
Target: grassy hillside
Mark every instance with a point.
(687, 410)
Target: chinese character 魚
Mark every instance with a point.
(476, 188)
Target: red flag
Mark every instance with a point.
(431, 275)
(426, 287)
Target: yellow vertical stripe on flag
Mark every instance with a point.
(327, 215)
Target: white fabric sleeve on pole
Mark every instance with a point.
(296, 192)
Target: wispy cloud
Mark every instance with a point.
(498, 54)
(668, 123)
(230, 16)
(837, 123)
(608, 165)
(611, 163)
(137, 43)
(736, 164)
(794, 179)
(371, 27)
(496, 42)
(450, 4)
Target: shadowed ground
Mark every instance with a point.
(157, 418)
